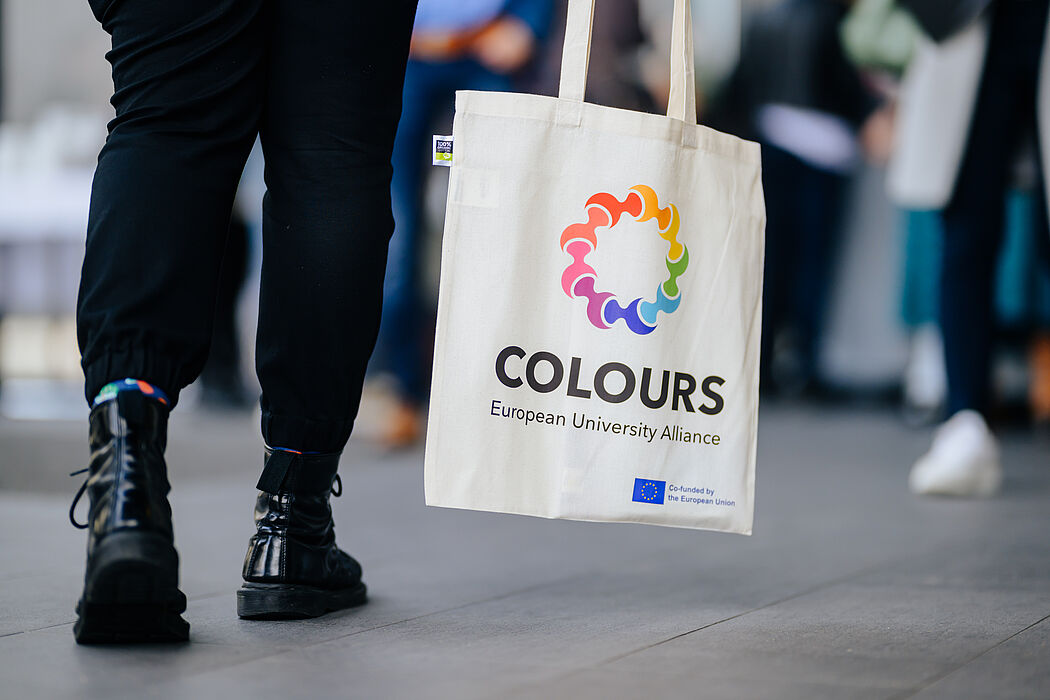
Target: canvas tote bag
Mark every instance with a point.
(599, 308)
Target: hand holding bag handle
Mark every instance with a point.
(576, 54)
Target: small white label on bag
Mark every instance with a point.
(443, 151)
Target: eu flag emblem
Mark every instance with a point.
(649, 491)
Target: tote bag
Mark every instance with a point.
(599, 308)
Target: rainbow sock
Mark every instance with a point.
(111, 390)
(294, 452)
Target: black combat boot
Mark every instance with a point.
(293, 568)
(131, 582)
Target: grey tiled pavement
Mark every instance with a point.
(850, 587)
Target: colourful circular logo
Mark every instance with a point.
(580, 279)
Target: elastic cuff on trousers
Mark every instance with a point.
(135, 363)
(307, 435)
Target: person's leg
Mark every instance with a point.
(779, 183)
(187, 88)
(187, 79)
(819, 204)
(964, 457)
(398, 348)
(429, 89)
(973, 218)
(333, 101)
(403, 343)
(332, 106)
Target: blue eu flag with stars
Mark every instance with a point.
(649, 491)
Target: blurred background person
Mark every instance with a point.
(881, 37)
(965, 107)
(456, 45)
(795, 92)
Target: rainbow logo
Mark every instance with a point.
(580, 280)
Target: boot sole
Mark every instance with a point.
(131, 592)
(280, 601)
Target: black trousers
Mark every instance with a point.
(194, 82)
(973, 219)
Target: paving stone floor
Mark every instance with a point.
(849, 588)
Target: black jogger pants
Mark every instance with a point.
(194, 82)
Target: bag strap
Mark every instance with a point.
(576, 54)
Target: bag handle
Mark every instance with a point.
(576, 55)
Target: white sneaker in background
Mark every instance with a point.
(963, 460)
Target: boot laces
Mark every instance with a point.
(76, 499)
